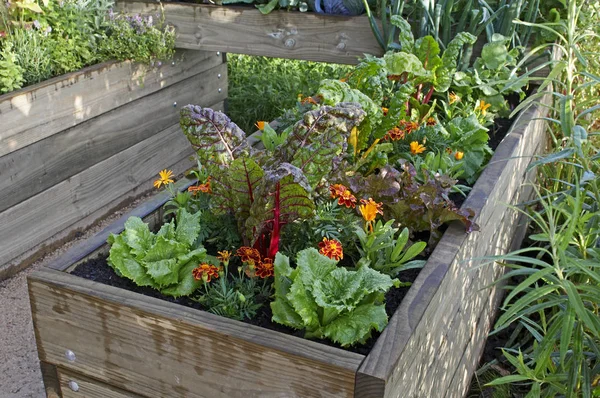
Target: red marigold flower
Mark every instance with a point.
(395, 134)
(408, 127)
(205, 272)
(248, 254)
(265, 268)
(347, 199)
(431, 121)
(337, 190)
(331, 248)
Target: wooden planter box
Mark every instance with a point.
(96, 340)
(245, 30)
(76, 146)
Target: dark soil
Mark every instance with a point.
(98, 270)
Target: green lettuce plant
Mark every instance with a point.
(328, 301)
(162, 260)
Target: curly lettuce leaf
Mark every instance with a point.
(357, 326)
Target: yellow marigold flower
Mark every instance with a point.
(369, 209)
(416, 148)
(260, 125)
(482, 107)
(332, 249)
(164, 178)
(453, 98)
(431, 121)
(224, 256)
(459, 155)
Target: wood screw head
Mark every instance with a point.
(74, 386)
(220, 90)
(175, 104)
(70, 355)
(218, 53)
(219, 76)
(290, 43)
(173, 63)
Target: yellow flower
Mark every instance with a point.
(343, 80)
(224, 257)
(416, 148)
(385, 110)
(260, 125)
(369, 209)
(459, 155)
(164, 178)
(453, 98)
(482, 106)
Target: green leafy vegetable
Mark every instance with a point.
(329, 301)
(164, 260)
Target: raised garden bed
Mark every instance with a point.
(76, 146)
(99, 340)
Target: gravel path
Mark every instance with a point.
(20, 376)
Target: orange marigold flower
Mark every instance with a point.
(408, 127)
(332, 249)
(369, 209)
(265, 269)
(206, 188)
(337, 190)
(164, 178)
(344, 79)
(248, 255)
(205, 272)
(224, 256)
(431, 121)
(385, 111)
(449, 151)
(260, 125)
(416, 148)
(395, 134)
(459, 155)
(482, 106)
(309, 100)
(452, 98)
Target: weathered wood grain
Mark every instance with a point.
(86, 387)
(415, 353)
(156, 348)
(43, 164)
(40, 217)
(51, 381)
(39, 111)
(245, 30)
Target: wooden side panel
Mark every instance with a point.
(42, 110)
(160, 349)
(421, 348)
(245, 30)
(74, 385)
(51, 382)
(45, 163)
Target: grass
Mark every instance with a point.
(261, 88)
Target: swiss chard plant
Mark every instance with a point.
(162, 260)
(265, 190)
(327, 301)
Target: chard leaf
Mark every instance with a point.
(214, 137)
(401, 62)
(320, 137)
(405, 36)
(370, 77)
(428, 50)
(444, 74)
(356, 326)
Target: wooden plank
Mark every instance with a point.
(51, 382)
(37, 167)
(82, 224)
(31, 222)
(41, 110)
(400, 355)
(244, 30)
(157, 348)
(86, 387)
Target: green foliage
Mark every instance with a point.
(31, 50)
(164, 260)
(137, 38)
(11, 74)
(328, 301)
(387, 252)
(262, 191)
(261, 88)
(236, 297)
